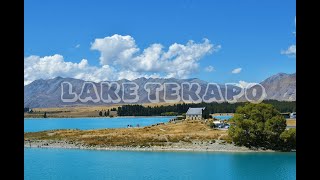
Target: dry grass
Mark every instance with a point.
(80, 111)
(291, 122)
(186, 131)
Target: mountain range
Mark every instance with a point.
(47, 93)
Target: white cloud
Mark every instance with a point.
(209, 69)
(77, 46)
(115, 49)
(178, 61)
(120, 58)
(245, 84)
(291, 51)
(236, 71)
(47, 67)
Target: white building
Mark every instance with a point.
(293, 115)
(194, 113)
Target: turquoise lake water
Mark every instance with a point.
(93, 164)
(223, 117)
(41, 124)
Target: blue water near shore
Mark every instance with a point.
(93, 164)
(41, 124)
(223, 117)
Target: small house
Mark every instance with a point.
(194, 113)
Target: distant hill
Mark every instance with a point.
(47, 93)
(281, 87)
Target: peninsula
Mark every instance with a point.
(187, 135)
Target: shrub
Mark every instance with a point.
(257, 125)
(288, 138)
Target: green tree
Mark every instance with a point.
(257, 125)
(100, 113)
(273, 129)
(169, 114)
(45, 115)
(288, 138)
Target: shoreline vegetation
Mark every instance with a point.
(187, 135)
(161, 135)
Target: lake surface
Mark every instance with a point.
(41, 124)
(223, 117)
(93, 164)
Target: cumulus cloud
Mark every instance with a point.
(47, 67)
(291, 51)
(178, 61)
(236, 71)
(120, 58)
(115, 49)
(209, 68)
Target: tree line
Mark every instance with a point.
(107, 113)
(179, 109)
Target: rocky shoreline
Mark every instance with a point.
(218, 146)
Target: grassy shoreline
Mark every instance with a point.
(182, 136)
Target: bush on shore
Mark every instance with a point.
(261, 126)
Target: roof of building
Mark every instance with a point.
(195, 110)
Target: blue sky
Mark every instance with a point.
(246, 34)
